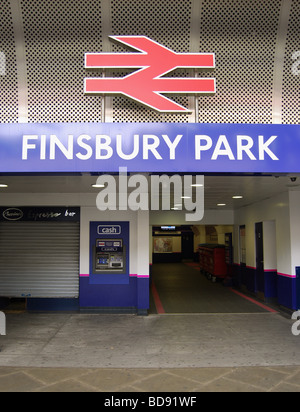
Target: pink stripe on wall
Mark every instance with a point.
(269, 270)
(285, 275)
(131, 276)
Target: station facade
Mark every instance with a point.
(114, 93)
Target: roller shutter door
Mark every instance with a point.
(39, 259)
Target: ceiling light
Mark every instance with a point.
(221, 204)
(197, 185)
(185, 197)
(237, 197)
(98, 185)
(3, 185)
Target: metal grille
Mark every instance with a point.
(167, 22)
(39, 259)
(291, 84)
(57, 34)
(8, 67)
(243, 36)
(127, 110)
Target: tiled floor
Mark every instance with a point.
(243, 379)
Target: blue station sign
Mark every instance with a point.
(149, 147)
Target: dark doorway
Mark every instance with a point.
(259, 242)
(187, 244)
(298, 286)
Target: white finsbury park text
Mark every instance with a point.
(147, 147)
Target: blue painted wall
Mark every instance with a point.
(134, 295)
(286, 289)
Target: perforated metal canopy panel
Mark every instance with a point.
(44, 44)
(57, 34)
(291, 82)
(243, 36)
(8, 65)
(168, 23)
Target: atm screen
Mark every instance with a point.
(103, 259)
(110, 256)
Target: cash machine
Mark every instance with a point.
(109, 252)
(109, 256)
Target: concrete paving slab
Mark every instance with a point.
(128, 341)
(162, 380)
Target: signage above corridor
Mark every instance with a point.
(149, 147)
(147, 83)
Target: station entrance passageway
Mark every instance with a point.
(181, 288)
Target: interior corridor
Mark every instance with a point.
(181, 288)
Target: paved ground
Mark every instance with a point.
(192, 352)
(246, 379)
(230, 344)
(156, 341)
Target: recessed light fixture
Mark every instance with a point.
(174, 208)
(185, 197)
(3, 185)
(197, 185)
(237, 197)
(221, 204)
(98, 186)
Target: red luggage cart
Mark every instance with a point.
(212, 259)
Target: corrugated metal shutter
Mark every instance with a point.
(39, 259)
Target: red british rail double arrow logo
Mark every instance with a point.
(147, 84)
